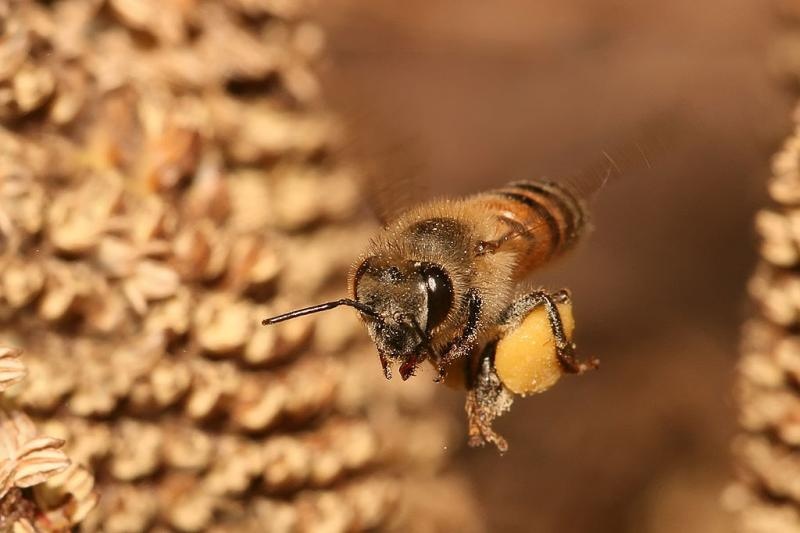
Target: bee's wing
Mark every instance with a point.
(388, 163)
(633, 156)
(626, 159)
(389, 177)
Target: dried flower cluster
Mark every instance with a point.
(166, 181)
(767, 498)
(61, 492)
(784, 52)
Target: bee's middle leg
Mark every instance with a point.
(565, 350)
(487, 399)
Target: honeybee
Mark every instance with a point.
(442, 282)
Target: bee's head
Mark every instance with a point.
(410, 299)
(401, 304)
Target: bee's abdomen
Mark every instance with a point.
(548, 217)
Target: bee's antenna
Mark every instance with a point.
(362, 308)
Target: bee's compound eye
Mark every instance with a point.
(440, 293)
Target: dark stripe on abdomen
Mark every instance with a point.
(541, 213)
(569, 208)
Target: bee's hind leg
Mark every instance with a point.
(565, 350)
(487, 399)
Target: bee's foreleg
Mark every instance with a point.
(387, 369)
(409, 367)
(463, 345)
(487, 399)
(565, 350)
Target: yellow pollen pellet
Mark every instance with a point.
(525, 359)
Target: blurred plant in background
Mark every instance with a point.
(497, 91)
(168, 178)
(170, 174)
(767, 498)
(60, 493)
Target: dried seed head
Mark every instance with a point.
(12, 369)
(252, 265)
(51, 377)
(21, 203)
(135, 450)
(213, 386)
(67, 498)
(190, 508)
(249, 193)
(33, 85)
(123, 508)
(222, 324)
(175, 159)
(200, 252)
(14, 47)
(156, 155)
(767, 496)
(784, 186)
(172, 317)
(153, 281)
(287, 464)
(70, 97)
(237, 463)
(31, 457)
(76, 220)
(259, 404)
(21, 282)
(187, 448)
(23, 526)
(163, 20)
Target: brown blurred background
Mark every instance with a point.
(473, 94)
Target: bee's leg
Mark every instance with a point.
(565, 350)
(490, 247)
(462, 346)
(487, 399)
(437, 361)
(387, 369)
(409, 367)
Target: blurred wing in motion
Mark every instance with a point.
(389, 175)
(562, 206)
(388, 160)
(634, 156)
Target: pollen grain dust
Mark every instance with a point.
(166, 181)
